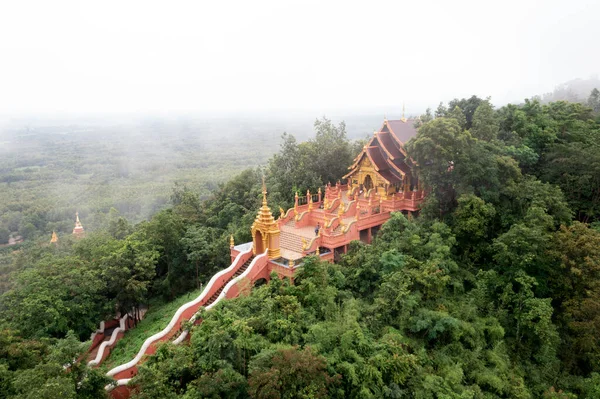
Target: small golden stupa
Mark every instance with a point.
(78, 229)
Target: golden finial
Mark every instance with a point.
(54, 238)
(374, 133)
(281, 212)
(304, 244)
(291, 263)
(308, 193)
(231, 242)
(264, 191)
(384, 118)
(310, 204)
(317, 251)
(403, 118)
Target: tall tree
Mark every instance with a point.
(485, 124)
(468, 106)
(459, 116)
(594, 100)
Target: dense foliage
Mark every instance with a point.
(493, 291)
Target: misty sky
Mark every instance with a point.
(169, 56)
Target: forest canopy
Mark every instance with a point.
(492, 291)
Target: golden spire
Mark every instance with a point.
(264, 192)
(231, 242)
(265, 230)
(403, 118)
(54, 238)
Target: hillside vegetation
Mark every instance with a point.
(493, 291)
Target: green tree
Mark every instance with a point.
(55, 296)
(468, 107)
(51, 379)
(129, 271)
(205, 249)
(459, 116)
(289, 373)
(441, 110)
(485, 124)
(594, 100)
(4, 235)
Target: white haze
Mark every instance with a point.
(163, 57)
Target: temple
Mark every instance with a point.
(78, 229)
(380, 181)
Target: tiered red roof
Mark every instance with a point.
(386, 151)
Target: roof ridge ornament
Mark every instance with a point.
(403, 119)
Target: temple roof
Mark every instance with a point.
(403, 129)
(386, 151)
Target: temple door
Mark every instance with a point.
(259, 245)
(368, 183)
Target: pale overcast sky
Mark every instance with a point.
(169, 56)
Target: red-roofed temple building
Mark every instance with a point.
(380, 181)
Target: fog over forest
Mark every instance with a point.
(456, 253)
